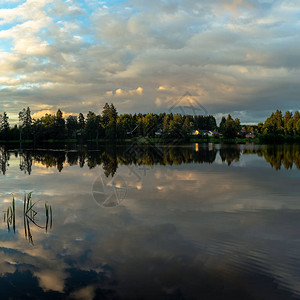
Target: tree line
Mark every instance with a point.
(107, 125)
(110, 125)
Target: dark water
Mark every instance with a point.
(133, 222)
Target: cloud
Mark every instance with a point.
(51, 280)
(121, 93)
(237, 56)
(41, 113)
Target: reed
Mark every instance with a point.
(29, 216)
(10, 216)
(48, 211)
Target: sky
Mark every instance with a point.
(232, 56)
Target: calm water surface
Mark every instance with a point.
(131, 222)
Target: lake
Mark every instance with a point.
(200, 221)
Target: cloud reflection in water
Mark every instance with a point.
(187, 229)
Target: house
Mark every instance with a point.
(196, 132)
(213, 133)
(242, 133)
(250, 135)
(205, 132)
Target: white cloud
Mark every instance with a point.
(236, 55)
(123, 93)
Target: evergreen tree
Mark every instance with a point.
(25, 120)
(105, 114)
(81, 121)
(175, 126)
(238, 126)
(166, 123)
(187, 126)
(222, 125)
(72, 126)
(296, 124)
(279, 122)
(286, 119)
(4, 126)
(111, 114)
(92, 125)
(59, 125)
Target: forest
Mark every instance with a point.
(109, 125)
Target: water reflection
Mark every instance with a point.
(193, 228)
(4, 158)
(25, 162)
(110, 157)
(31, 214)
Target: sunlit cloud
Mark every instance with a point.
(239, 56)
(42, 113)
(51, 280)
(121, 93)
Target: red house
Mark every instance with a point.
(250, 135)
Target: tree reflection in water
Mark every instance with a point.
(160, 246)
(110, 156)
(4, 158)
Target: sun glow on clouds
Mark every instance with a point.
(42, 113)
(121, 93)
(237, 55)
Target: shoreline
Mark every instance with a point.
(147, 140)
